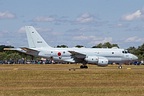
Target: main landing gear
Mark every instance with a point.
(83, 66)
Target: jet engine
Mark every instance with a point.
(99, 60)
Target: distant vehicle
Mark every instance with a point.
(98, 56)
(137, 63)
(1, 62)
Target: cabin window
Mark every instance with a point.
(51, 51)
(112, 52)
(63, 52)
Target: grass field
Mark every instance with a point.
(57, 80)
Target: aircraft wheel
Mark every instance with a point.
(120, 67)
(83, 67)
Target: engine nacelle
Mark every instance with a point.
(99, 60)
(102, 61)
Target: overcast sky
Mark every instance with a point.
(73, 22)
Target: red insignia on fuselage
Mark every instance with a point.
(59, 53)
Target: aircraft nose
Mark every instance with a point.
(134, 57)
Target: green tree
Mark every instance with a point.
(3, 55)
(14, 57)
(137, 51)
(62, 46)
(100, 45)
(115, 45)
(140, 51)
(133, 50)
(105, 45)
(79, 46)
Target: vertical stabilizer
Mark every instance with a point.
(34, 38)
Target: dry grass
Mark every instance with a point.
(57, 80)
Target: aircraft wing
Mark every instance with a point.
(77, 54)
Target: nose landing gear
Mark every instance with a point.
(120, 67)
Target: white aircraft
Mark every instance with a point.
(97, 56)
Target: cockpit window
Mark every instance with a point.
(128, 51)
(125, 51)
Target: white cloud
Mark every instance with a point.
(6, 15)
(136, 15)
(85, 18)
(134, 39)
(44, 19)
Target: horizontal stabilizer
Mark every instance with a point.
(14, 49)
(24, 50)
(30, 51)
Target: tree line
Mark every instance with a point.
(16, 56)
